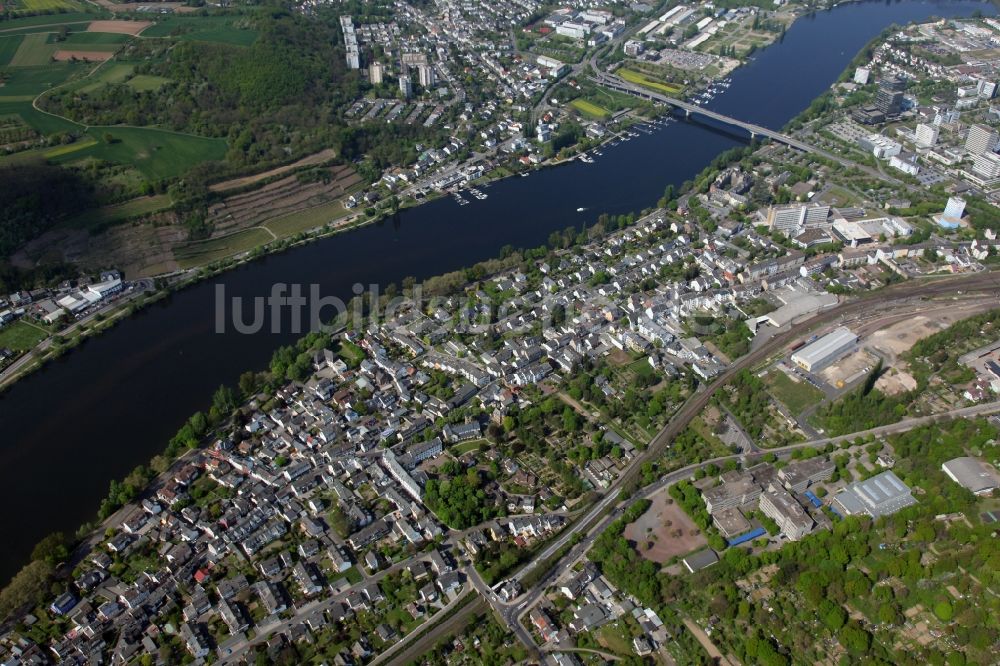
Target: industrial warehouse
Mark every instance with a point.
(826, 350)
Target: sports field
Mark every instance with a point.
(645, 81)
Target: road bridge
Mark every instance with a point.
(616, 83)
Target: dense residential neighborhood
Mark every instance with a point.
(756, 423)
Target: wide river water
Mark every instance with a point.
(112, 404)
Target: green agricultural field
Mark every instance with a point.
(51, 6)
(111, 72)
(201, 253)
(89, 39)
(20, 336)
(147, 82)
(645, 81)
(590, 109)
(34, 51)
(45, 22)
(8, 47)
(60, 151)
(37, 120)
(156, 153)
(220, 29)
(36, 80)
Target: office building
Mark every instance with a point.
(634, 47)
(793, 216)
(406, 86)
(986, 89)
(881, 495)
(951, 218)
(425, 75)
(926, 135)
(557, 66)
(955, 208)
(986, 165)
(981, 139)
(573, 29)
(882, 147)
(946, 116)
(780, 506)
(799, 475)
(905, 162)
(889, 99)
(826, 350)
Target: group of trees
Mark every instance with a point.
(459, 499)
(747, 398)
(622, 565)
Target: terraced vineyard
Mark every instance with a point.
(281, 197)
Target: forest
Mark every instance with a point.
(35, 197)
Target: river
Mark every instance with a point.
(112, 404)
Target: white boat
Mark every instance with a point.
(580, 210)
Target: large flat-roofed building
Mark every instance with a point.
(799, 475)
(792, 519)
(731, 522)
(881, 495)
(826, 350)
(973, 475)
(738, 488)
(794, 216)
(738, 491)
(700, 560)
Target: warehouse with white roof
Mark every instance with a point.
(972, 474)
(881, 495)
(826, 350)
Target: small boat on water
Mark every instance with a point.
(580, 210)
